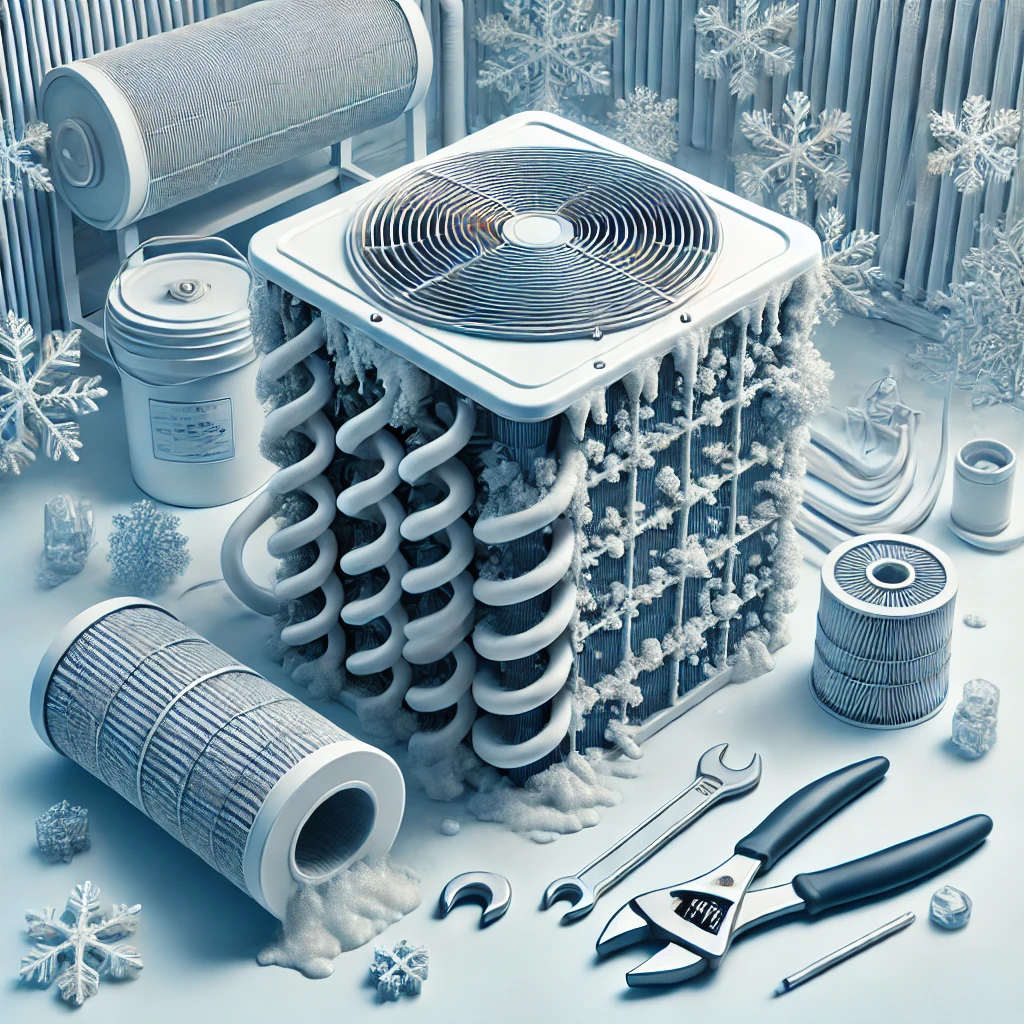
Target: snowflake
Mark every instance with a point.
(848, 265)
(984, 326)
(978, 146)
(76, 946)
(646, 123)
(146, 550)
(62, 832)
(797, 154)
(547, 49)
(19, 159)
(38, 392)
(403, 969)
(746, 44)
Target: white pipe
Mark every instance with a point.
(453, 71)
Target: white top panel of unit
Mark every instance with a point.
(308, 255)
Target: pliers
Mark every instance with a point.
(700, 918)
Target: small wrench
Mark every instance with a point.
(714, 782)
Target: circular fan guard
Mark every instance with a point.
(534, 244)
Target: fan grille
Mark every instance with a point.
(534, 244)
(890, 574)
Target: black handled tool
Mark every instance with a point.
(874, 875)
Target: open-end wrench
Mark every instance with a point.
(714, 782)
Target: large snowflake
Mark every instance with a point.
(747, 43)
(646, 123)
(978, 146)
(39, 394)
(403, 969)
(796, 155)
(19, 159)
(547, 50)
(984, 327)
(79, 944)
(848, 266)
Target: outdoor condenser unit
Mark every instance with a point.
(539, 403)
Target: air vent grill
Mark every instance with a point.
(534, 244)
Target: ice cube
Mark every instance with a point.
(449, 826)
(951, 908)
(974, 721)
(68, 531)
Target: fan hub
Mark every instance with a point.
(540, 230)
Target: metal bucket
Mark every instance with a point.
(177, 328)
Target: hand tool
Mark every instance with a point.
(494, 890)
(701, 917)
(714, 782)
(845, 952)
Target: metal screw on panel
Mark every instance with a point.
(599, 365)
(376, 318)
(685, 318)
(598, 334)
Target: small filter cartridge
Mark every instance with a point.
(268, 792)
(885, 618)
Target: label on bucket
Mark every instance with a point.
(192, 431)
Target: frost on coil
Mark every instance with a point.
(146, 550)
(545, 51)
(400, 970)
(62, 831)
(795, 156)
(745, 44)
(80, 944)
(39, 394)
(20, 159)
(646, 123)
(976, 147)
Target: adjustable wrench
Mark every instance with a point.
(714, 782)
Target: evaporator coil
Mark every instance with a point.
(885, 620)
(268, 792)
(146, 126)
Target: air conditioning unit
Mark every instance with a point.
(546, 399)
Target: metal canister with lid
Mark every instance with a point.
(177, 328)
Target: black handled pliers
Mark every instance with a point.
(700, 918)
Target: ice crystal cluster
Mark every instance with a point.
(974, 721)
(68, 531)
(976, 147)
(796, 157)
(646, 123)
(950, 907)
(20, 159)
(400, 970)
(62, 831)
(848, 266)
(39, 394)
(746, 44)
(983, 329)
(146, 550)
(545, 51)
(77, 946)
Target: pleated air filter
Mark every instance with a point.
(881, 657)
(268, 792)
(146, 126)
(538, 401)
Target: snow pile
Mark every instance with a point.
(562, 799)
(347, 911)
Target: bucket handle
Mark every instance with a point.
(165, 241)
(160, 241)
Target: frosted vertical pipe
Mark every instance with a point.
(986, 44)
(876, 123)
(819, 69)
(840, 55)
(688, 82)
(670, 46)
(958, 70)
(914, 233)
(899, 173)
(628, 32)
(857, 92)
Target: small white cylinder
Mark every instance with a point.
(983, 486)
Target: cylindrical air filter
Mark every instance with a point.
(151, 124)
(885, 618)
(265, 790)
(983, 486)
